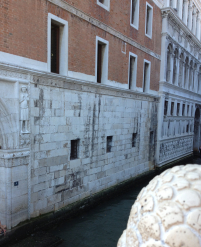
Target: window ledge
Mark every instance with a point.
(134, 26)
(149, 36)
(103, 6)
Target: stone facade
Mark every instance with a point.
(61, 110)
(180, 83)
(65, 137)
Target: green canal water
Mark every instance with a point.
(101, 226)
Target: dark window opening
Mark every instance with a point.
(187, 128)
(178, 108)
(134, 138)
(151, 140)
(146, 67)
(74, 149)
(183, 109)
(172, 108)
(133, 14)
(132, 71)
(100, 56)
(165, 107)
(109, 144)
(148, 20)
(101, 1)
(23, 126)
(187, 110)
(54, 48)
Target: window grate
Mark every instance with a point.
(134, 138)
(183, 109)
(74, 149)
(172, 108)
(178, 108)
(165, 107)
(109, 144)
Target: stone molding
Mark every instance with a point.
(13, 75)
(172, 149)
(64, 5)
(10, 154)
(54, 80)
(166, 118)
(96, 88)
(177, 88)
(179, 25)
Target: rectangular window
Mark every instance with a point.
(54, 48)
(146, 78)
(151, 139)
(101, 60)
(172, 108)
(57, 58)
(178, 108)
(187, 110)
(132, 71)
(165, 107)
(74, 149)
(134, 138)
(104, 4)
(109, 144)
(183, 109)
(135, 13)
(187, 128)
(148, 20)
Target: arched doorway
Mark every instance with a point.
(196, 140)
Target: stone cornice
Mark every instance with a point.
(56, 80)
(172, 118)
(71, 9)
(51, 80)
(167, 139)
(10, 154)
(179, 23)
(178, 89)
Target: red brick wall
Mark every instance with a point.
(23, 29)
(24, 33)
(119, 18)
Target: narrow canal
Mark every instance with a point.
(101, 226)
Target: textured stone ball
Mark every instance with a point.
(167, 212)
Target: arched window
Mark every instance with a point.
(175, 66)
(190, 84)
(181, 69)
(168, 71)
(195, 87)
(186, 78)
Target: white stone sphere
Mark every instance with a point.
(167, 212)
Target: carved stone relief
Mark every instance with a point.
(175, 148)
(24, 110)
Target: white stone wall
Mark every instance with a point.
(64, 111)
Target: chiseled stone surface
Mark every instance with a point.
(167, 212)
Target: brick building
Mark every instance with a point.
(79, 96)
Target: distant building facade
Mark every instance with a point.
(180, 81)
(83, 85)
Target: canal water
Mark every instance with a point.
(101, 226)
